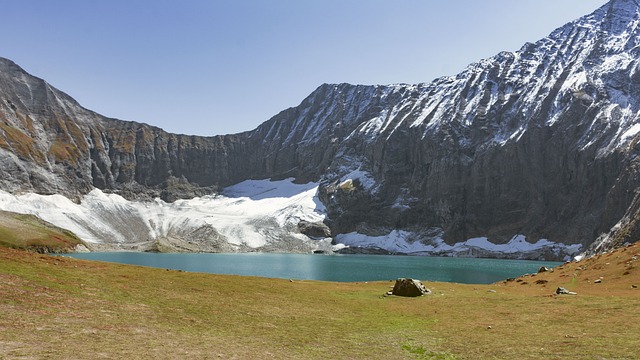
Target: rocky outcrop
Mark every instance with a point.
(409, 288)
(542, 142)
(318, 230)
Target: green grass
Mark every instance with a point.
(66, 308)
(422, 353)
(20, 231)
(114, 309)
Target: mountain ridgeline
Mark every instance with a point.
(541, 142)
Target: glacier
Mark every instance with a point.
(250, 216)
(254, 215)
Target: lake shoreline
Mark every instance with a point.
(338, 267)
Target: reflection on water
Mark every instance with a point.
(332, 267)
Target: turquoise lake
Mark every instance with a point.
(342, 268)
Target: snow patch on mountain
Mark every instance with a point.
(252, 214)
(406, 242)
(633, 130)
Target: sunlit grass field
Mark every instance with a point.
(62, 308)
(23, 231)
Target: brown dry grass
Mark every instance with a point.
(22, 144)
(617, 271)
(65, 308)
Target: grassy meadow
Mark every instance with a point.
(62, 308)
(22, 231)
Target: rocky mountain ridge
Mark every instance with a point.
(540, 143)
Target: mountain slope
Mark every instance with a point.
(50, 144)
(538, 144)
(21, 231)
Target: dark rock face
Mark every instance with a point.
(542, 142)
(539, 142)
(314, 229)
(50, 144)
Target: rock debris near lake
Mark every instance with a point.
(409, 288)
(314, 229)
(543, 269)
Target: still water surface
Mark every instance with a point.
(332, 267)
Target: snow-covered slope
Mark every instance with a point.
(539, 142)
(255, 215)
(249, 216)
(593, 61)
(404, 242)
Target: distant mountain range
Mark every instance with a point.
(539, 144)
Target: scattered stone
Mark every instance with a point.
(317, 230)
(542, 282)
(409, 288)
(563, 291)
(634, 286)
(489, 327)
(491, 291)
(510, 279)
(598, 281)
(543, 269)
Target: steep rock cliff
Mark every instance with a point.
(50, 144)
(540, 142)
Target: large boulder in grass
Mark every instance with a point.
(409, 288)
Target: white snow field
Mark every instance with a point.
(251, 215)
(248, 215)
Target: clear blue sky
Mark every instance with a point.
(210, 67)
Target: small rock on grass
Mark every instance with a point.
(543, 269)
(563, 291)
